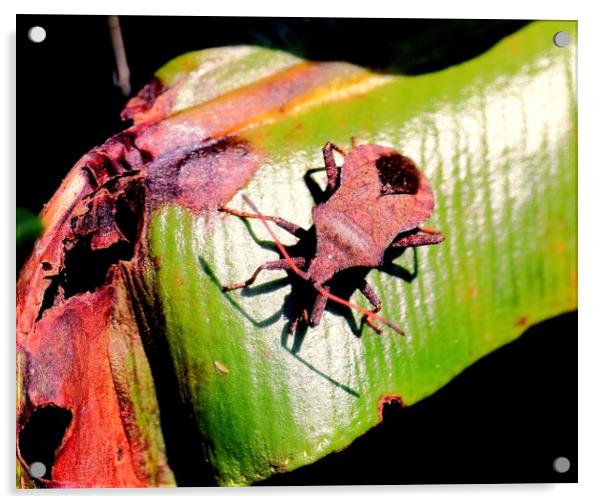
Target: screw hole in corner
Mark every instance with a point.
(40, 436)
(37, 34)
(562, 465)
(561, 39)
(37, 470)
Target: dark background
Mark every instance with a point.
(506, 418)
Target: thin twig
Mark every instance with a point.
(121, 62)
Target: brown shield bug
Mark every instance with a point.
(376, 201)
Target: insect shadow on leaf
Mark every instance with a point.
(272, 319)
(371, 210)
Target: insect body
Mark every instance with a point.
(376, 201)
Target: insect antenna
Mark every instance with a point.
(303, 274)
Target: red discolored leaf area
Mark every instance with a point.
(102, 444)
(86, 329)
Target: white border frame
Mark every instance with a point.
(590, 337)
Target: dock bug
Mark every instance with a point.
(376, 201)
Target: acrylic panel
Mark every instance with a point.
(410, 188)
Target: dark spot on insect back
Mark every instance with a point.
(398, 175)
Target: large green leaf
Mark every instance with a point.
(497, 138)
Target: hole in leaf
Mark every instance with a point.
(389, 406)
(42, 435)
(85, 269)
(49, 295)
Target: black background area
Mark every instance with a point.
(505, 418)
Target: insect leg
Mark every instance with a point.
(293, 327)
(294, 324)
(298, 231)
(419, 238)
(429, 230)
(332, 170)
(270, 265)
(318, 309)
(371, 295)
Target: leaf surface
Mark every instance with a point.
(496, 137)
